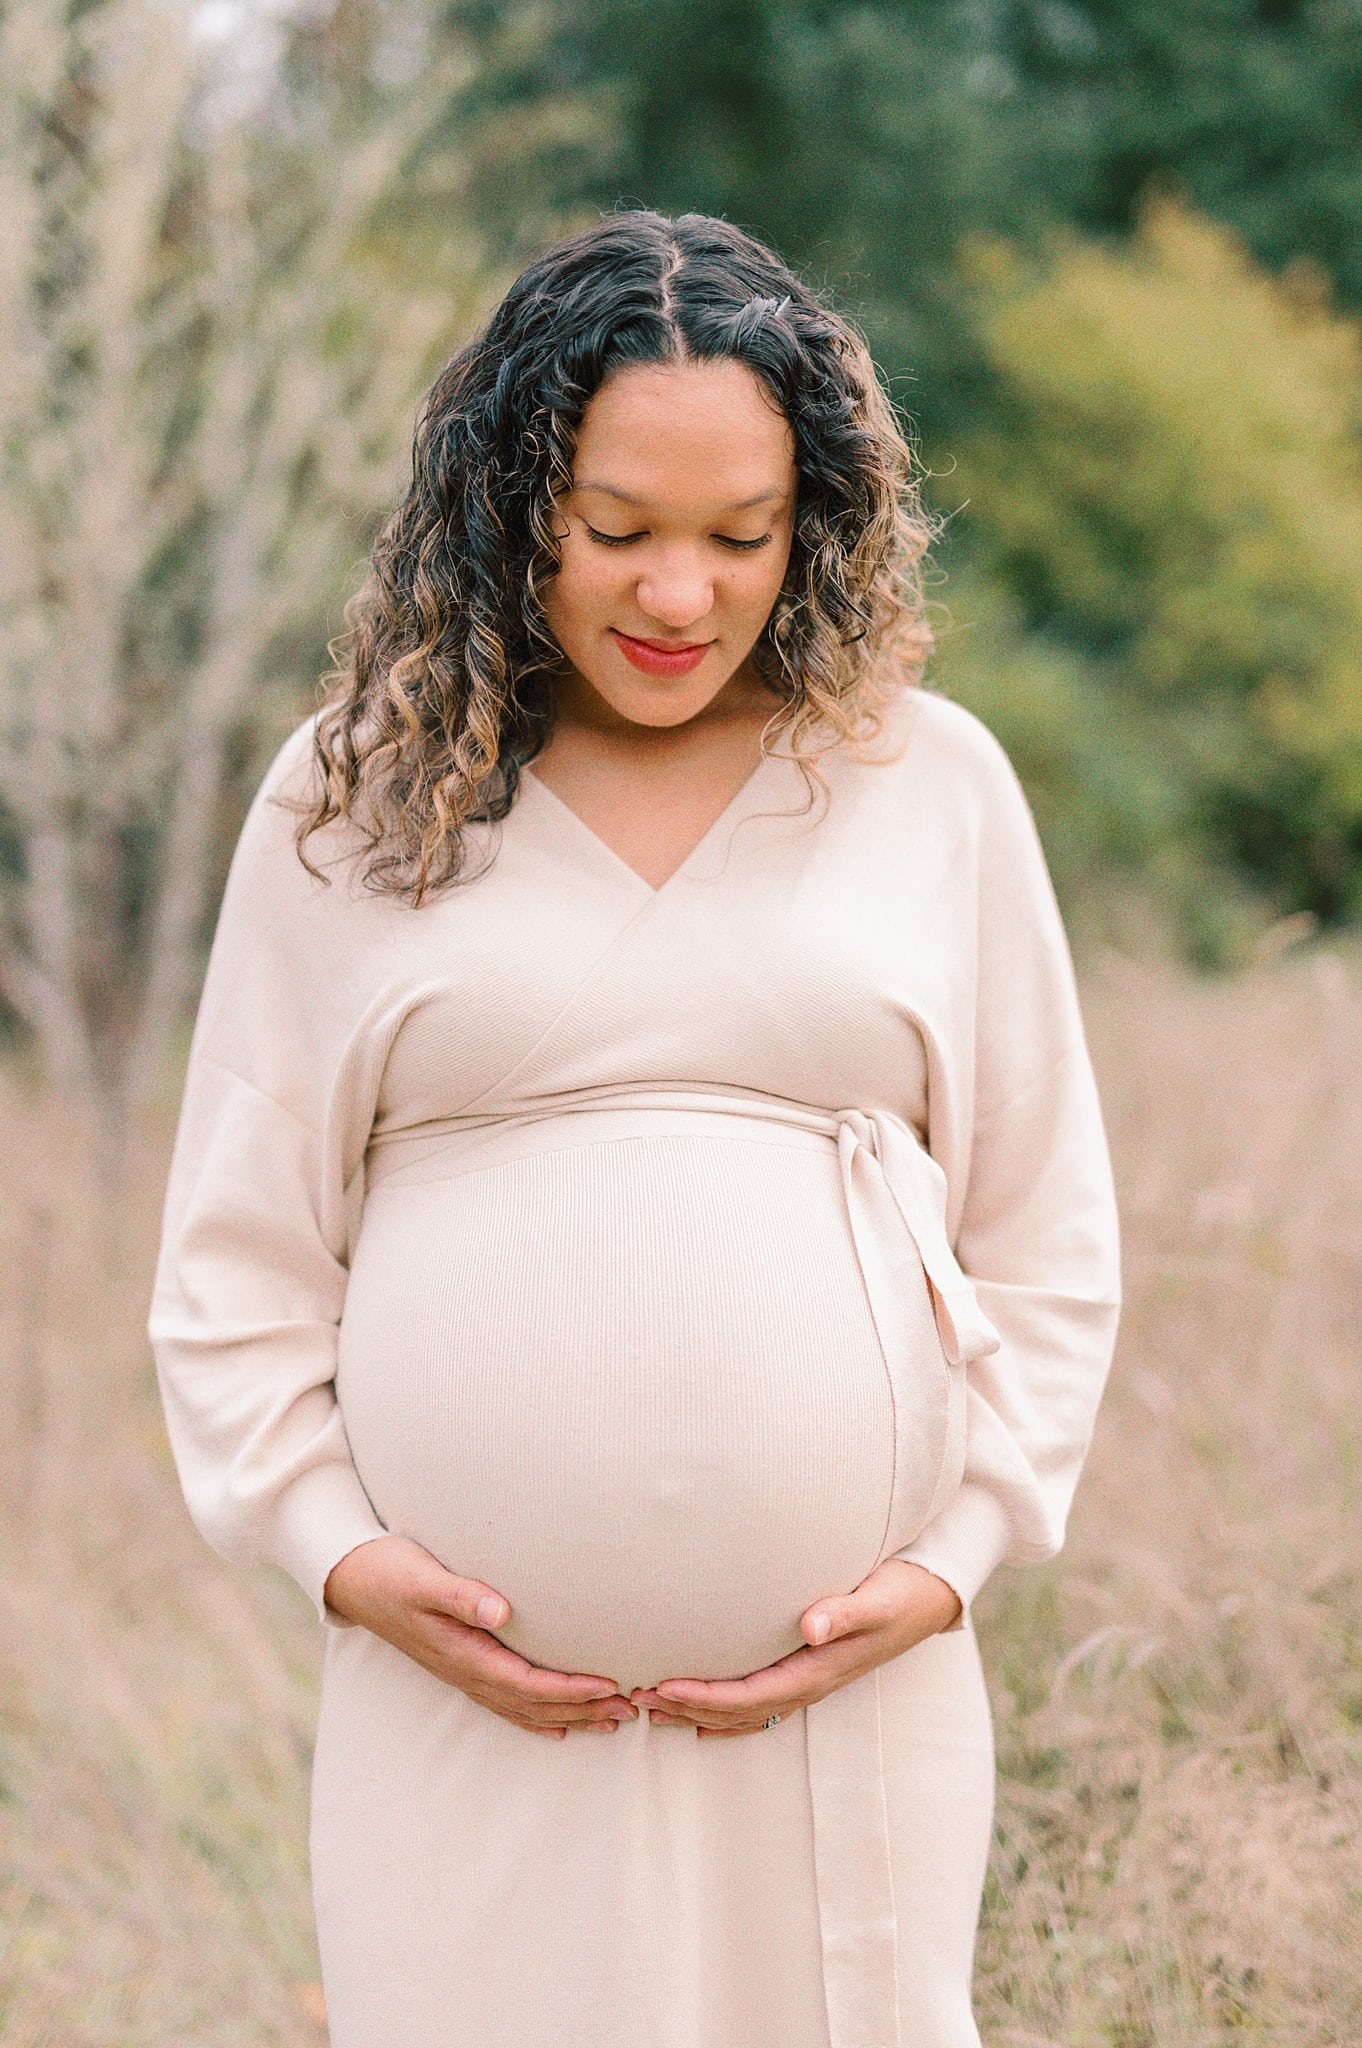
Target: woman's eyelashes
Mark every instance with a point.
(622, 540)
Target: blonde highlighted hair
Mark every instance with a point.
(442, 684)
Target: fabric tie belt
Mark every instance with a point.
(896, 1205)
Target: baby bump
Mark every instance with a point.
(634, 1385)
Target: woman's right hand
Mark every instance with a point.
(395, 1588)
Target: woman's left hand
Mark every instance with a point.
(897, 1605)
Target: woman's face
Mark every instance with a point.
(674, 541)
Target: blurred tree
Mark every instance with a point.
(1102, 771)
(1172, 491)
(204, 398)
(1252, 108)
(863, 137)
(860, 139)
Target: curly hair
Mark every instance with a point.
(445, 690)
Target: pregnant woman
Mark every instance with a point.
(640, 1247)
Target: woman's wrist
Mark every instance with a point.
(933, 1594)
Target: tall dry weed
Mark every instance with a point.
(1179, 1695)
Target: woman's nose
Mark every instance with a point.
(676, 597)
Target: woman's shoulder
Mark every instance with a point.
(944, 748)
(290, 787)
(290, 774)
(268, 869)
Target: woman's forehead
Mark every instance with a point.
(707, 430)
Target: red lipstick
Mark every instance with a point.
(662, 657)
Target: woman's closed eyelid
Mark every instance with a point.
(612, 540)
(619, 540)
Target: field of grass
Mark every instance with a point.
(1178, 1697)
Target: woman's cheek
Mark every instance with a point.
(573, 600)
(593, 590)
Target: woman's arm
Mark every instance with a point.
(251, 1272)
(1034, 1220)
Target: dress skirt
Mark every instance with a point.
(662, 1373)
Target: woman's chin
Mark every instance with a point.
(605, 689)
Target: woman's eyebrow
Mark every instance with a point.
(627, 497)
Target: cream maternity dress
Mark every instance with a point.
(665, 1257)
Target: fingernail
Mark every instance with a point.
(490, 1611)
(820, 1628)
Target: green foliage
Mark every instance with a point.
(1095, 766)
(1171, 493)
(864, 137)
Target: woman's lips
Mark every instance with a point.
(662, 659)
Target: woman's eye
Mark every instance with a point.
(621, 540)
(612, 540)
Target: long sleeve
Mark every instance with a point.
(251, 1272)
(1033, 1215)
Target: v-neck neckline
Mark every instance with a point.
(527, 775)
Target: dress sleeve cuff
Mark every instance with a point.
(319, 1517)
(963, 1545)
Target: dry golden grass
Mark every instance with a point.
(1178, 1697)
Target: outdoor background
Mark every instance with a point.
(1109, 258)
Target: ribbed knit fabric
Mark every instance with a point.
(665, 1257)
(668, 1431)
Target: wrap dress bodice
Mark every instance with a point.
(885, 979)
